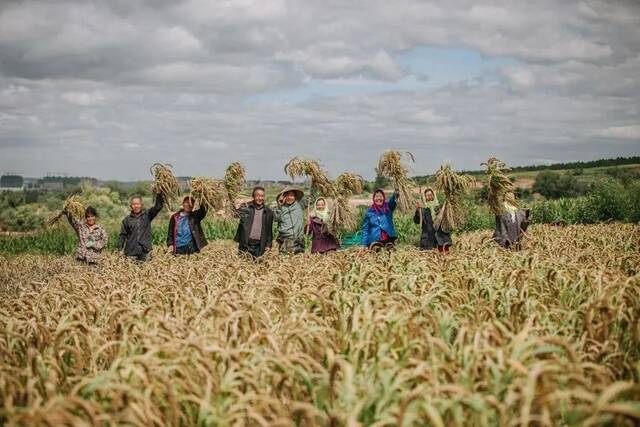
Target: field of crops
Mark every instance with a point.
(546, 336)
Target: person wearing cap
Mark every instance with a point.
(290, 217)
(185, 235)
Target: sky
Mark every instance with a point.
(107, 88)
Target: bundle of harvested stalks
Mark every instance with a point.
(453, 186)
(165, 183)
(72, 206)
(391, 166)
(342, 216)
(310, 168)
(209, 192)
(234, 181)
(501, 189)
(348, 184)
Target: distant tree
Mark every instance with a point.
(381, 181)
(554, 185)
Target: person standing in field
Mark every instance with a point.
(92, 237)
(185, 235)
(377, 228)
(135, 231)
(430, 237)
(290, 218)
(321, 241)
(255, 230)
(511, 225)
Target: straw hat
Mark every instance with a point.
(299, 193)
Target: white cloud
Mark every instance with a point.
(84, 99)
(622, 132)
(159, 75)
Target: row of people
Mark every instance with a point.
(254, 234)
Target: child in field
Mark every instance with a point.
(135, 231)
(377, 228)
(290, 218)
(92, 237)
(321, 241)
(431, 238)
(185, 235)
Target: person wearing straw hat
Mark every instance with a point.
(377, 228)
(430, 237)
(255, 229)
(135, 231)
(321, 241)
(289, 215)
(185, 235)
(511, 225)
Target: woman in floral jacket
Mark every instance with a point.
(92, 237)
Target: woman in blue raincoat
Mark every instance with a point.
(377, 228)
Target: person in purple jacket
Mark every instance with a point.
(321, 241)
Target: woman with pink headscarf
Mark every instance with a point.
(377, 227)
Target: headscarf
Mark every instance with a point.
(321, 214)
(511, 210)
(431, 205)
(385, 206)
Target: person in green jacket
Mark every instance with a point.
(290, 217)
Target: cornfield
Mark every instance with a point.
(483, 336)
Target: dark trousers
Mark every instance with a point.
(252, 248)
(141, 257)
(388, 244)
(186, 250)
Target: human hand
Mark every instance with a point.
(170, 249)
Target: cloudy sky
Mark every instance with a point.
(106, 88)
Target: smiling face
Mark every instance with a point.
(258, 197)
(428, 195)
(289, 197)
(90, 220)
(320, 205)
(186, 205)
(136, 205)
(378, 198)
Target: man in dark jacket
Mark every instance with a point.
(185, 235)
(255, 230)
(135, 232)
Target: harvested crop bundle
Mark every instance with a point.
(209, 192)
(453, 186)
(165, 182)
(310, 168)
(349, 184)
(342, 216)
(72, 206)
(392, 166)
(234, 181)
(500, 188)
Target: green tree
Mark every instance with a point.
(554, 185)
(381, 181)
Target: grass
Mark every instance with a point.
(483, 336)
